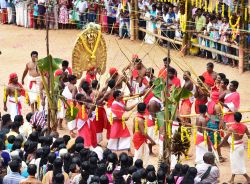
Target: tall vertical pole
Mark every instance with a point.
(242, 37)
(49, 83)
(167, 140)
(132, 20)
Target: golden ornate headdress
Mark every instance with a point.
(89, 51)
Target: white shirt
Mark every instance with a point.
(82, 6)
(213, 176)
(120, 8)
(3, 4)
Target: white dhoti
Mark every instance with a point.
(200, 148)
(25, 14)
(151, 133)
(119, 144)
(142, 153)
(13, 107)
(34, 89)
(237, 160)
(61, 113)
(10, 14)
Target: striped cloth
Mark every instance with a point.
(39, 119)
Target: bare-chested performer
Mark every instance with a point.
(200, 94)
(186, 104)
(237, 161)
(14, 92)
(33, 80)
(138, 71)
(106, 95)
(201, 146)
(119, 79)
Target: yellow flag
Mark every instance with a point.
(59, 105)
(26, 97)
(111, 118)
(4, 94)
(145, 126)
(223, 10)
(136, 124)
(38, 101)
(232, 141)
(169, 130)
(96, 114)
(182, 134)
(195, 134)
(71, 108)
(215, 140)
(205, 137)
(156, 127)
(83, 111)
(123, 122)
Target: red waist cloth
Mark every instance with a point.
(199, 102)
(19, 106)
(186, 106)
(139, 139)
(31, 84)
(102, 120)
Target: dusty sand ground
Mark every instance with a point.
(16, 44)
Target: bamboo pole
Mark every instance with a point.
(242, 38)
(47, 48)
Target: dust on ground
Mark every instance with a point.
(16, 44)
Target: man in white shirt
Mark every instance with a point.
(82, 8)
(208, 172)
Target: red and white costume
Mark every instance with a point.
(99, 125)
(232, 100)
(200, 148)
(140, 143)
(119, 137)
(86, 128)
(186, 104)
(237, 160)
(138, 88)
(34, 88)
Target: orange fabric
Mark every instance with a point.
(208, 79)
(186, 106)
(163, 73)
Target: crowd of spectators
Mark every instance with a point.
(155, 16)
(28, 156)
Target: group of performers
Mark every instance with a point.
(215, 103)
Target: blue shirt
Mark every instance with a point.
(12, 178)
(35, 13)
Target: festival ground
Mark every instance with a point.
(16, 43)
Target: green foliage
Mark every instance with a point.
(44, 64)
(68, 114)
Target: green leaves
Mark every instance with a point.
(44, 64)
(68, 114)
(159, 87)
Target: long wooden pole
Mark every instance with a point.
(47, 48)
(242, 36)
(167, 140)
